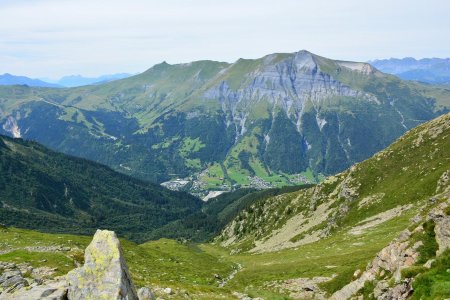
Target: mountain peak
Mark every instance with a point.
(304, 52)
(304, 58)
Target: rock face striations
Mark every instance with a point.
(104, 276)
(283, 113)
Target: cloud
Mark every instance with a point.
(51, 38)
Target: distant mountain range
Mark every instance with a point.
(429, 70)
(282, 119)
(66, 81)
(8, 79)
(78, 80)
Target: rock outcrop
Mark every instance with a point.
(12, 280)
(392, 259)
(146, 294)
(104, 274)
(54, 290)
(403, 252)
(442, 227)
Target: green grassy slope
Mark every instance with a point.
(363, 209)
(405, 173)
(162, 263)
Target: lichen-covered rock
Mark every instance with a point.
(104, 274)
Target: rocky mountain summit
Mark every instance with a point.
(282, 119)
(104, 275)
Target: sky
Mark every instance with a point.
(53, 38)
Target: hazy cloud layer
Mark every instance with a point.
(50, 38)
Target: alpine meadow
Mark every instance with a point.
(158, 150)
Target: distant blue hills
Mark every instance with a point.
(78, 80)
(8, 79)
(429, 70)
(66, 81)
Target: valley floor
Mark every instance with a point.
(207, 271)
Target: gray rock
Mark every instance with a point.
(9, 274)
(104, 274)
(442, 231)
(146, 294)
(400, 291)
(394, 257)
(52, 291)
(380, 289)
(429, 263)
(15, 283)
(11, 281)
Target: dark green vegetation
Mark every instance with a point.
(434, 283)
(204, 225)
(269, 118)
(428, 237)
(329, 230)
(53, 192)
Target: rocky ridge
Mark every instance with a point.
(385, 271)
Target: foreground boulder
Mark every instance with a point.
(104, 274)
